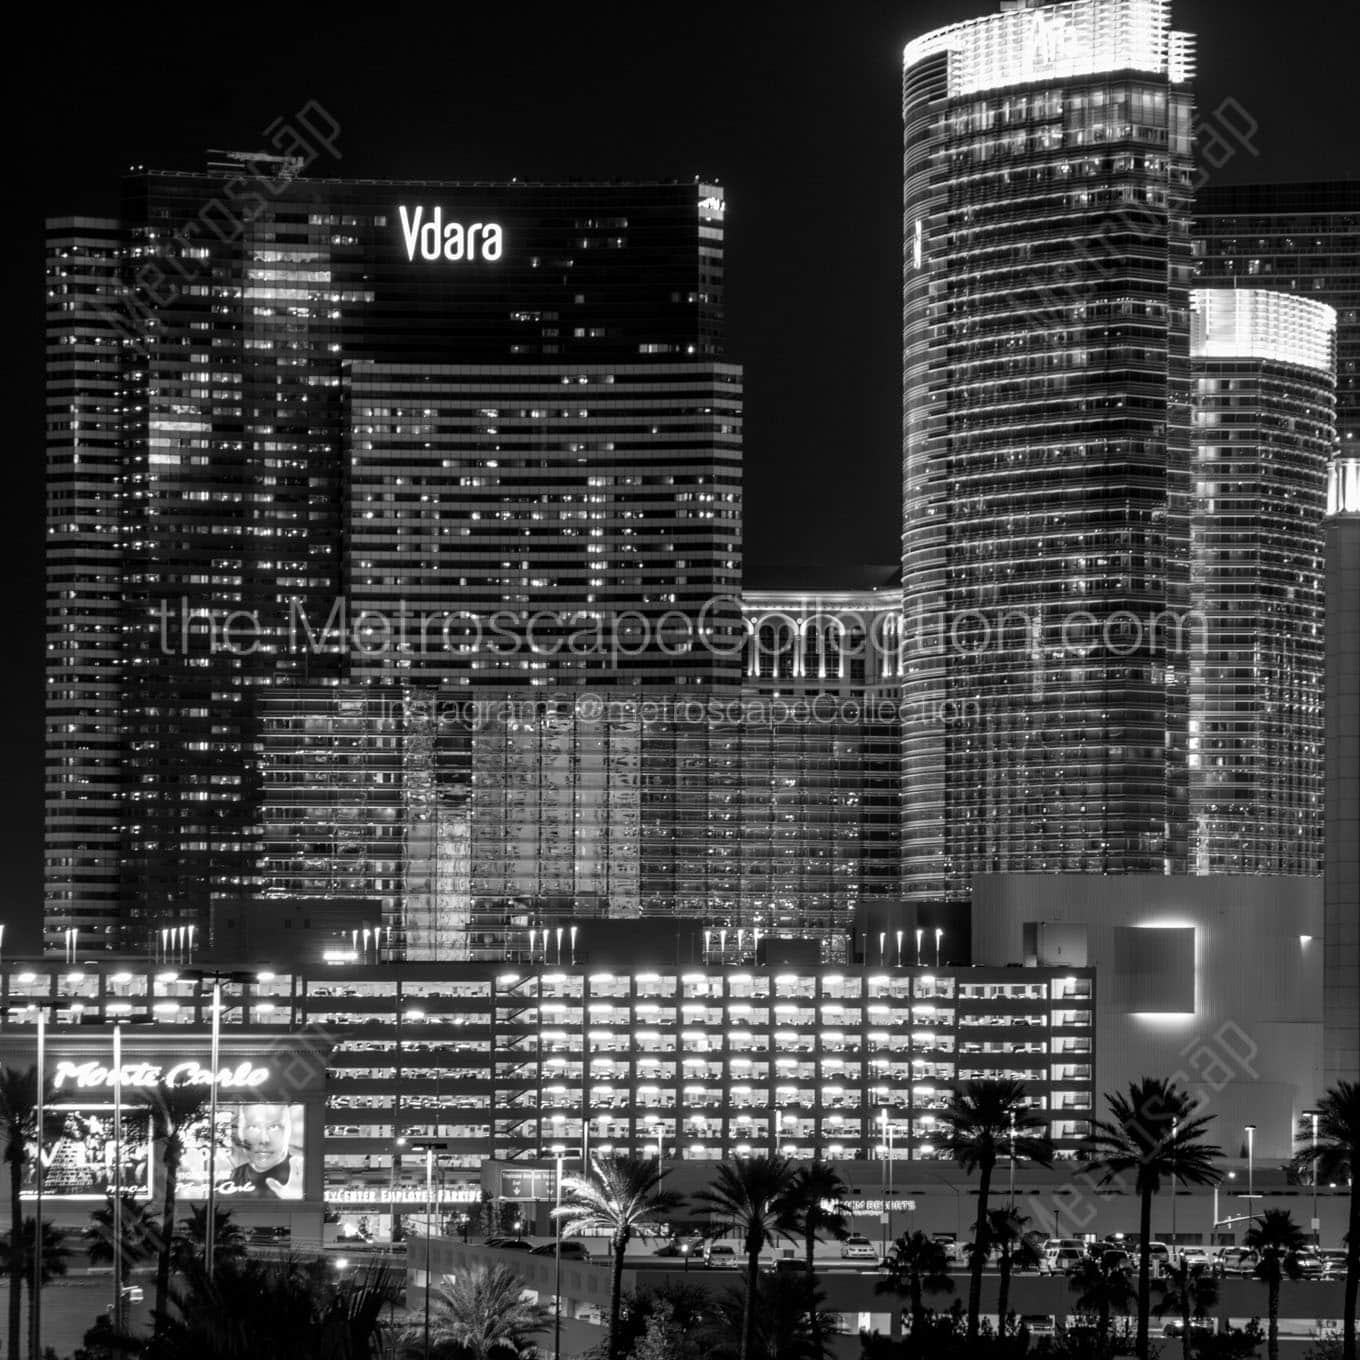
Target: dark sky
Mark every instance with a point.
(793, 107)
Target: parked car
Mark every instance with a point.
(692, 1247)
(1196, 1256)
(1116, 1258)
(722, 1256)
(1199, 1328)
(1310, 1264)
(510, 1243)
(572, 1250)
(1236, 1261)
(1333, 1262)
(1159, 1257)
(857, 1247)
(1060, 1260)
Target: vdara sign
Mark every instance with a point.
(439, 240)
(244, 1077)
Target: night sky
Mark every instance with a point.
(793, 108)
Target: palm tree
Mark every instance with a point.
(1190, 1293)
(173, 1110)
(275, 1310)
(1101, 1289)
(141, 1233)
(1015, 1246)
(190, 1242)
(752, 1196)
(1154, 1133)
(1278, 1240)
(1335, 1156)
(985, 1121)
(917, 1265)
(20, 1263)
(789, 1323)
(818, 1196)
(620, 1197)
(483, 1311)
(18, 1113)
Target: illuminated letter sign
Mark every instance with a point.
(243, 1077)
(436, 239)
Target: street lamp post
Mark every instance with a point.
(210, 1213)
(429, 1146)
(215, 1063)
(36, 1307)
(1175, 1134)
(117, 1180)
(557, 1265)
(1317, 1222)
(1012, 1143)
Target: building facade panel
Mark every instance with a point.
(1046, 443)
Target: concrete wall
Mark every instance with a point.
(1224, 994)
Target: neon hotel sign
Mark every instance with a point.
(87, 1075)
(424, 230)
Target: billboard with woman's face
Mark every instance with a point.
(259, 1152)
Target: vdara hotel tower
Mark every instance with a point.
(276, 400)
(1046, 449)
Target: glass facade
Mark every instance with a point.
(549, 525)
(698, 1061)
(1292, 238)
(211, 330)
(1264, 434)
(1046, 527)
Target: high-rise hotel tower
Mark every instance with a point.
(275, 400)
(1046, 450)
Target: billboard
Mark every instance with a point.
(78, 1163)
(259, 1152)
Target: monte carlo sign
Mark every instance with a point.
(90, 1075)
(425, 232)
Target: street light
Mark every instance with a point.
(429, 1146)
(215, 1066)
(939, 935)
(1012, 1142)
(1251, 1160)
(1317, 1222)
(557, 1265)
(117, 1206)
(886, 1216)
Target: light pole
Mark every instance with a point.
(1012, 1142)
(215, 1064)
(117, 1180)
(1251, 1169)
(1175, 1133)
(1317, 1222)
(429, 1146)
(885, 1217)
(557, 1265)
(939, 935)
(36, 1307)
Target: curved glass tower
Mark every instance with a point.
(1048, 183)
(1264, 434)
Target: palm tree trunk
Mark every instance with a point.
(16, 1266)
(1003, 1291)
(748, 1311)
(167, 1234)
(1185, 1314)
(979, 1253)
(1273, 1324)
(918, 1309)
(814, 1322)
(1352, 1274)
(1144, 1272)
(616, 1294)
